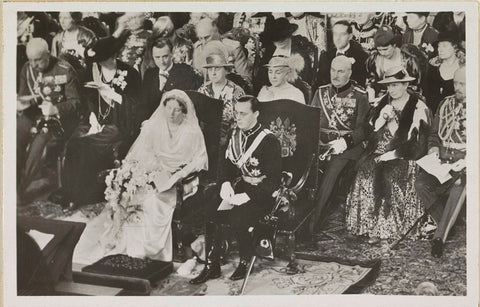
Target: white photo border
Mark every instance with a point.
(9, 154)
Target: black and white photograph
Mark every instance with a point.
(212, 153)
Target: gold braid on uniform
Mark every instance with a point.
(449, 120)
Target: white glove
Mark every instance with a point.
(239, 199)
(338, 146)
(95, 126)
(390, 155)
(48, 108)
(226, 192)
(386, 114)
(109, 95)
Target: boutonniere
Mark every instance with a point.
(120, 80)
(428, 47)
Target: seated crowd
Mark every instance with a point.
(95, 89)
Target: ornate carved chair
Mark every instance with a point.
(188, 212)
(297, 128)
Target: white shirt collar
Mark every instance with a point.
(344, 49)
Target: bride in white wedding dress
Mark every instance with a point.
(141, 194)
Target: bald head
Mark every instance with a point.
(459, 82)
(340, 71)
(37, 53)
(37, 46)
(206, 30)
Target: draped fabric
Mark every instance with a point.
(136, 220)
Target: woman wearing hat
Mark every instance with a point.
(112, 95)
(383, 203)
(218, 86)
(282, 71)
(279, 41)
(141, 194)
(442, 69)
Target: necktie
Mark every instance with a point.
(163, 76)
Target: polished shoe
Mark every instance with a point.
(241, 270)
(437, 247)
(210, 271)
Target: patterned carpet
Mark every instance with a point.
(401, 270)
(270, 278)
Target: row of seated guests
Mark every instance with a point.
(427, 52)
(112, 94)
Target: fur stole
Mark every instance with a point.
(409, 143)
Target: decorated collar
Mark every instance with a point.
(251, 131)
(342, 89)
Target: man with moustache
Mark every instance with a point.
(166, 76)
(343, 119)
(48, 88)
(252, 171)
(448, 141)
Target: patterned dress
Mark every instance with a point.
(387, 219)
(229, 94)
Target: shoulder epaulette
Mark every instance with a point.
(360, 89)
(323, 86)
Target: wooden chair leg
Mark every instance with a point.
(179, 254)
(292, 265)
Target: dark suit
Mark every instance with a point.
(181, 76)
(359, 72)
(429, 36)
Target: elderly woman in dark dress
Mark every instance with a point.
(383, 203)
(112, 96)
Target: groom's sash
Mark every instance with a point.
(235, 153)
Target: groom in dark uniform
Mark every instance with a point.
(165, 76)
(344, 106)
(251, 174)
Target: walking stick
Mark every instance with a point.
(456, 211)
(250, 266)
(396, 243)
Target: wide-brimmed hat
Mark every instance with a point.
(102, 49)
(447, 36)
(396, 74)
(216, 60)
(278, 30)
(278, 61)
(383, 36)
(215, 54)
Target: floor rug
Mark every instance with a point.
(270, 278)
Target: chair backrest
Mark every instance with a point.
(209, 113)
(297, 128)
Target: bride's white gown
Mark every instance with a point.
(155, 152)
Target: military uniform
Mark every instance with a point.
(449, 135)
(57, 84)
(344, 115)
(258, 177)
(236, 55)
